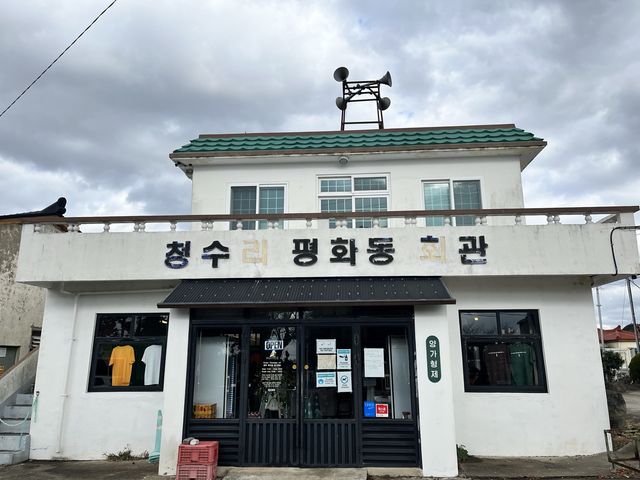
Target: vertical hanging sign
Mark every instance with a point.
(434, 373)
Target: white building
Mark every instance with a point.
(297, 340)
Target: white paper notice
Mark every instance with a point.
(327, 345)
(374, 362)
(325, 379)
(344, 359)
(326, 362)
(344, 382)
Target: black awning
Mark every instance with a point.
(281, 292)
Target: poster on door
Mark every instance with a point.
(344, 359)
(325, 345)
(344, 382)
(325, 379)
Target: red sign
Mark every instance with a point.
(382, 410)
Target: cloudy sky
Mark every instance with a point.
(151, 75)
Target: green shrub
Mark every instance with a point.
(611, 363)
(634, 369)
(463, 453)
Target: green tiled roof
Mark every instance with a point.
(374, 139)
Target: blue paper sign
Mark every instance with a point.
(369, 409)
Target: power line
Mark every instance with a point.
(57, 58)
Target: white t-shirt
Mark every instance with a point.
(152, 357)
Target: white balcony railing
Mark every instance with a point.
(396, 219)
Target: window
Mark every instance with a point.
(386, 376)
(36, 333)
(441, 194)
(128, 352)
(355, 194)
(502, 351)
(8, 357)
(217, 373)
(258, 199)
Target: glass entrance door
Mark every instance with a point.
(272, 432)
(311, 388)
(329, 427)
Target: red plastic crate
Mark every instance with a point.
(204, 453)
(196, 472)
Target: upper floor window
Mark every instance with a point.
(256, 199)
(355, 194)
(443, 194)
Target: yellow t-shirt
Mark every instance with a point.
(122, 359)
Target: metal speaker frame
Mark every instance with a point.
(361, 91)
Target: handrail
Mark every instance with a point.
(486, 212)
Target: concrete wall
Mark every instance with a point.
(76, 424)
(499, 177)
(21, 306)
(570, 418)
(522, 250)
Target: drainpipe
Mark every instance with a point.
(65, 392)
(600, 318)
(633, 314)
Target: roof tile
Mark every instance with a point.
(375, 138)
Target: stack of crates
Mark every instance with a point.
(197, 462)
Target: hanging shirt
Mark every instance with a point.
(122, 358)
(523, 358)
(152, 358)
(497, 362)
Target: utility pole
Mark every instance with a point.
(600, 318)
(633, 315)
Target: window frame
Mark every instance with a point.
(257, 186)
(353, 194)
(535, 339)
(450, 181)
(154, 340)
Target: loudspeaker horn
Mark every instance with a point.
(384, 103)
(341, 74)
(386, 80)
(341, 103)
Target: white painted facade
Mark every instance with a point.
(548, 268)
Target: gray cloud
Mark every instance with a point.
(149, 76)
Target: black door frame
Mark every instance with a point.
(221, 319)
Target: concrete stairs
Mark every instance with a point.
(15, 441)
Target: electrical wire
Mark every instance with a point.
(57, 58)
(613, 253)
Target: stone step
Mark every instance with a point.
(22, 428)
(13, 441)
(24, 399)
(11, 457)
(251, 473)
(17, 411)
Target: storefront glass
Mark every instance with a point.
(308, 387)
(217, 373)
(386, 384)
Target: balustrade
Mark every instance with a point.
(339, 220)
